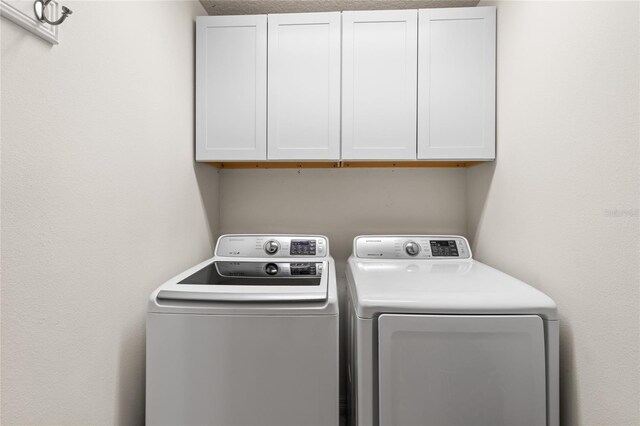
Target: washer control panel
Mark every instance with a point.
(433, 247)
(270, 246)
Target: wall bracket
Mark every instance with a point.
(21, 12)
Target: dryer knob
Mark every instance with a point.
(412, 248)
(271, 247)
(271, 269)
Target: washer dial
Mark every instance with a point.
(271, 247)
(271, 269)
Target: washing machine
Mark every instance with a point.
(438, 338)
(247, 338)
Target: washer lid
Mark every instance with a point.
(251, 281)
(464, 287)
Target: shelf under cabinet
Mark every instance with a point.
(338, 164)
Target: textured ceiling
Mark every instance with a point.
(248, 7)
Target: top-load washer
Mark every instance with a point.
(247, 338)
(437, 338)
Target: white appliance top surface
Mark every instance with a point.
(465, 287)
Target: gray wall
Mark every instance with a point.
(559, 209)
(100, 204)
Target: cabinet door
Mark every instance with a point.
(231, 87)
(379, 73)
(456, 83)
(304, 86)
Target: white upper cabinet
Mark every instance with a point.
(379, 94)
(231, 88)
(363, 85)
(456, 83)
(304, 86)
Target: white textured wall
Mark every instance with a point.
(559, 208)
(101, 202)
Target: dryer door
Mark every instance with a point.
(461, 370)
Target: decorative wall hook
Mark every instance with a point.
(39, 7)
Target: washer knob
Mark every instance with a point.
(412, 248)
(271, 269)
(271, 247)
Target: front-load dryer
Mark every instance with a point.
(247, 338)
(437, 338)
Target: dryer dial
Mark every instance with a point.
(412, 248)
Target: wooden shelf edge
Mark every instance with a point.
(340, 164)
(398, 164)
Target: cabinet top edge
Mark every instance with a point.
(261, 15)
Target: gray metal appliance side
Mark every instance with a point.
(362, 362)
(552, 352)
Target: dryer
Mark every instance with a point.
(247, 338)
(438, 338)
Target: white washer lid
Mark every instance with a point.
(203, 301)
(248, 281)
(465, 287)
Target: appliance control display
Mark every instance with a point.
(303, 269)
(303, 247)
(444, 248)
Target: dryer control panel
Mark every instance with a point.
(272, 246)
(432, 247)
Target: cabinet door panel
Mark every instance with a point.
(379, 85)
(231, 87)
(456, 83)
(304, 86)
